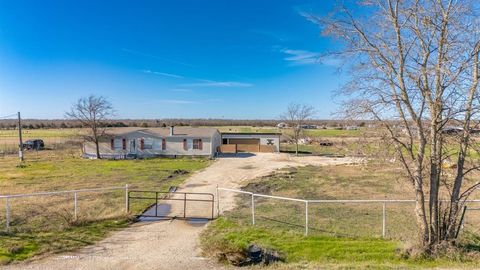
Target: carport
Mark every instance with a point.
(250, 142)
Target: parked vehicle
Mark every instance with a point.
(36, 144)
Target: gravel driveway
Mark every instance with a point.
(173, 244)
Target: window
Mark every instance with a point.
(147, 143)
(225, 141)
(157, 144)
(197, 144)
(117, 144)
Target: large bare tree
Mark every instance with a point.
(414, 68)
(92, 112)
(296, 117)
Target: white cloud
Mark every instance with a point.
(210, 83)
(303, 57)
(156, 57)
(162, 74)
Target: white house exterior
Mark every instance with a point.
(152, 142)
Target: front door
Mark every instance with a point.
(133, 146)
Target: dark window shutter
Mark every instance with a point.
(164, 144)
(185, 144)
(112, 144)
(124, 144)
(142, 144)
(200, 144)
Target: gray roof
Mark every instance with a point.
(165, 132)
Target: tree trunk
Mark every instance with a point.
(435, 172)
(97, 148)
(420, 209)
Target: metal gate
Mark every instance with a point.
(181, 205)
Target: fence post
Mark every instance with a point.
(7, 213)
(75, 205)
(185, 205)
(384, 209)
(156, 204)
(253, 209)
(306, 217)
(126, 199)
(218, 202)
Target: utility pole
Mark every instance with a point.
(20, 146)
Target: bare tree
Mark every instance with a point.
(296, 117)
(92, 112)
(414, 69)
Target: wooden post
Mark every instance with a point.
(20, 145)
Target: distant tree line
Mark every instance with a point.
(64, 123)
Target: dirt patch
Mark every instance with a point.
(247, 167)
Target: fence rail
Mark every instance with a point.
(309, 202)
(75, 193)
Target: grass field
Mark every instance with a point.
(45, 224)
(340, 235)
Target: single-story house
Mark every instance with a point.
(152, 142)
(250, 142)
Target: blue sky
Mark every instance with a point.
(164, 59)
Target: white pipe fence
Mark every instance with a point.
(8, 210)
(308, 202)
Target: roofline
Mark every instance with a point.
(251, 133)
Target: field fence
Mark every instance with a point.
(351, 218)
(9, 145)
(60, 209)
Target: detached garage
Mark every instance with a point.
(250, 142)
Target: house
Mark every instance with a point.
(152, 142)
(250, 142)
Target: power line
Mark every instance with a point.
(7, 116)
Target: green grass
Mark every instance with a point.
(21, 246)
(332, 133)
(58, 170)
(314, 149)
(340, 235)
(226, 236)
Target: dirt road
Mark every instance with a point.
(173, 244)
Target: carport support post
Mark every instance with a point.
(306, 217)
(253, 209)
(126, 199)
(384, 225)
